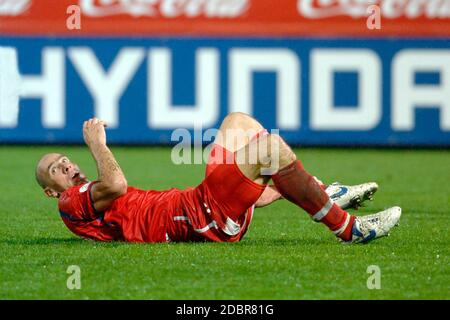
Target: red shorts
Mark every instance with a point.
(221, 207)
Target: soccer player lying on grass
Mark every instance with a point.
(220, 208)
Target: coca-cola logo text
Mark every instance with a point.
(390, 9)
(166, 8)
(13, 7)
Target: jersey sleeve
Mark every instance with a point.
(76, 203)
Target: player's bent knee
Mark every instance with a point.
(280, 153)
(240, 120)
(237, 116)
(232, 119)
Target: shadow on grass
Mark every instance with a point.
(244, 243)
(57, 241)
(287, 242)
(42, 241)
(260, 242)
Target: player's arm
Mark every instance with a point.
(269, 195)
(111, 180)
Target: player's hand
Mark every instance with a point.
(94, 132)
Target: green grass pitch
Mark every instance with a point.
(283, 256)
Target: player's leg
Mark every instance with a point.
(236, 131)
(275, 159)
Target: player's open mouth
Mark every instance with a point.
(75, 176)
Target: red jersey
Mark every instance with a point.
(137, 216)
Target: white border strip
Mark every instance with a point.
(323, 212)
(209, 226)
(180, 218)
